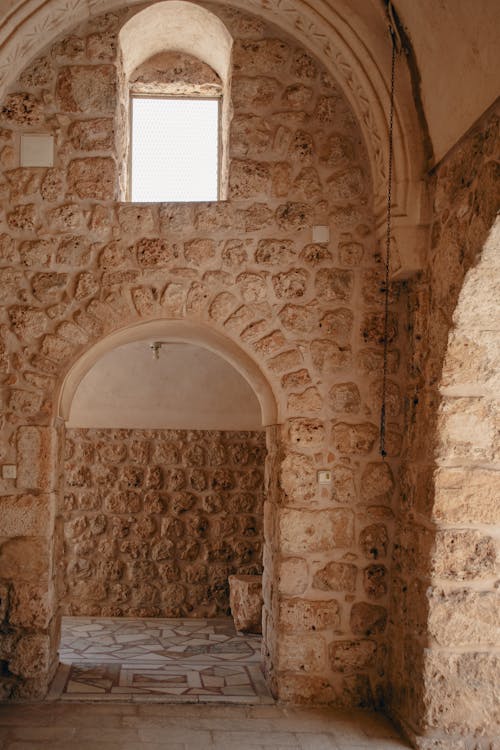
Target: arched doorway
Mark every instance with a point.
(161, 502)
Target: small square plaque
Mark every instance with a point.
(37, 150)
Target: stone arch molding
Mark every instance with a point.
(172, 331)
(355, 50)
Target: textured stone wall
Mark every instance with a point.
(446, 608)
(156, 520)
(75, 264)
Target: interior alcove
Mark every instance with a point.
(163, 492)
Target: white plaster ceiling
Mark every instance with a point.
(457, 47)
(188, 387)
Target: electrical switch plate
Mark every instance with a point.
(9, 471)
(321, 234)
(37, 150)
(324, 476)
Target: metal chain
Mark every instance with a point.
(383, 451)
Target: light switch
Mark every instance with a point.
(9, 471)
(37, 150)
(324, 476)
(321, 234)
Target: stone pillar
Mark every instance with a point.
(28, 605)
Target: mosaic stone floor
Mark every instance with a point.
(158, 660)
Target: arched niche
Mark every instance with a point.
(174, 26)
(175, 332)
(356, 50)
(177, 385)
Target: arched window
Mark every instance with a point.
(174, 108)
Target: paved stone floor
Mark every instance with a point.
(127, 684)
(129, 726)
(158, 660)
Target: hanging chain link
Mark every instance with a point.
(383, 451)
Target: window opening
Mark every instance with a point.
(175, 149)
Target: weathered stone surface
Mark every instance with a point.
(245, 600)
(334, 285)
(336, 576)
(374, 540)
(354, 438)
(367, 619)
(151, 502)
(301, 653)
(315, 531)
(301, 615)
(89, 89)
(92, 178)
(348, 656)
(345, 398)
(22, 109)
(25, 515)
(464, 618)
(35, 447)
(306, 432)
(293, 576)
(463, 555)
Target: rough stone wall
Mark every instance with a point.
(446, 608)
(76, 264)
(156, 520)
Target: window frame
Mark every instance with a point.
(153, 95)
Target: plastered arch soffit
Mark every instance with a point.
(355, 52)
(172, 331)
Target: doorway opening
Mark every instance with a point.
(162, 501)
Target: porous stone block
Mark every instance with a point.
(315, 531)
(245, 600)
(35, 456)
(296, 615)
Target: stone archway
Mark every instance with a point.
(445, 606)
(358, 59)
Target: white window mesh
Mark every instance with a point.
(175, 145)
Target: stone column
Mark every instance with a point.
(28, 604)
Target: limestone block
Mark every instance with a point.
(354, 438)
(292, 217)
(154, 253)
(336, 576)
(92, 135)
(86, 88)
(30, 605)
(373, 328)
(375, 581)
(263, 56)
(22, 109)
(69, 218)
(290, 284)
(25, 558)
(307, 433)
(315, 531)
(31, 656)
(25, 515)
(367, 619)
(467, 495)
(255, 91)
(349, 656)
(462, 691)
(334, 284)
(301, 615)
(293, 576)
(305, 689)
(377, 482)
(23, 218)
(298, 318)
(463, 555)
(200, 251)
(315, 253)
(344, 398)
(275, 252)
(328, 357)
(246, 602)
(92, 178)
(35, 456)
(308, 401)
(248, 179)
(301, 653)
(464, 618)
(374, 540)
